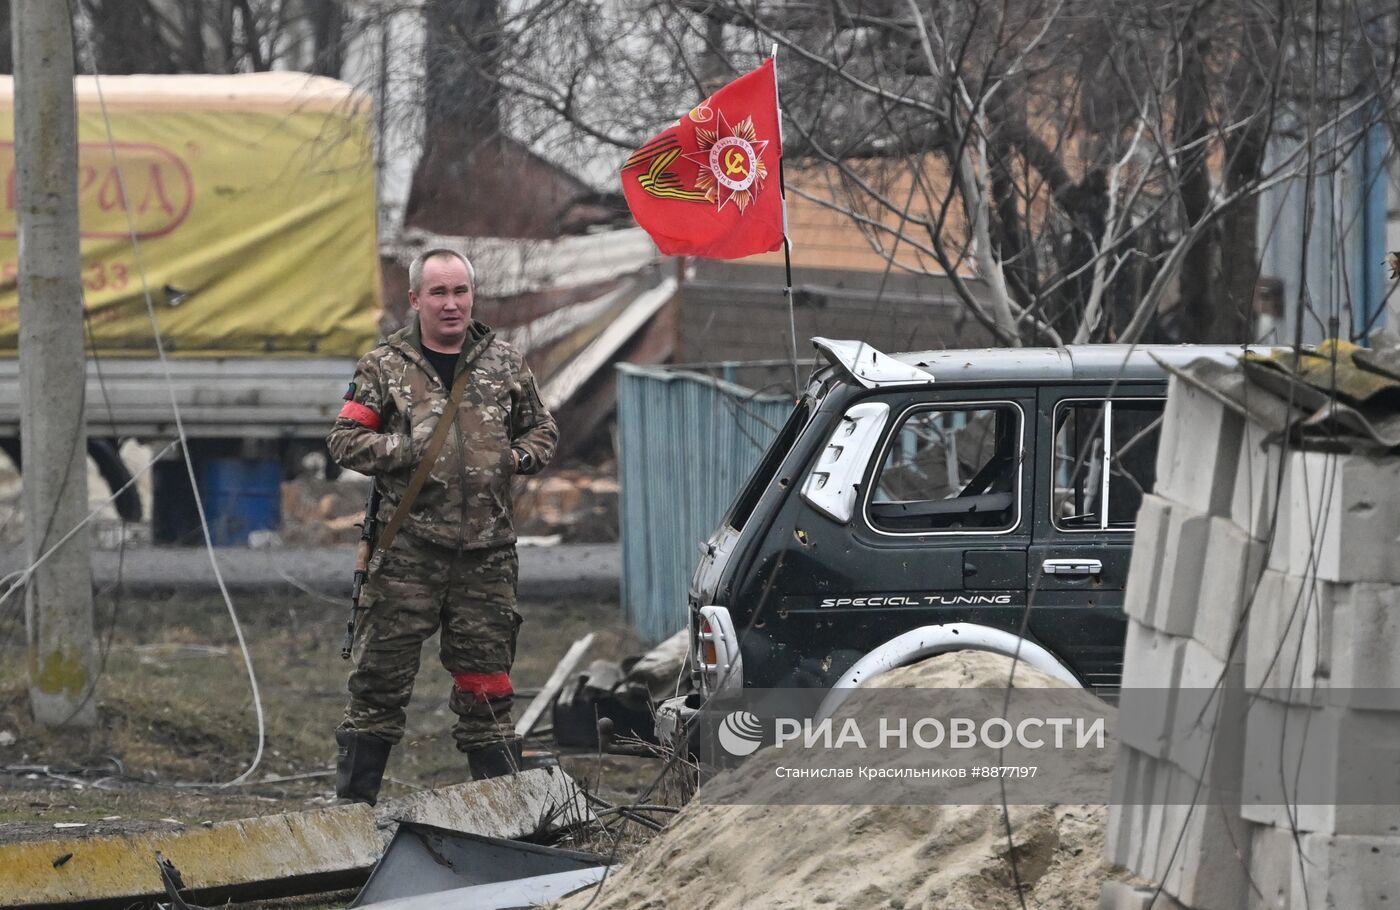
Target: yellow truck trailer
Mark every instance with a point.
(243, 207)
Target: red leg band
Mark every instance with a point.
(485, 686)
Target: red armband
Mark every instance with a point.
(361, 414)
(485, 686)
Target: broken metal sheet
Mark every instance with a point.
(1331, 369)
(1328, 415)
(1363, 415)
(426, 860)
(276, 855)
(1232, 388)
(521, 894)
(1385, 362)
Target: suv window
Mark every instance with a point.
(768, 466)
(951, 468)
(1085, 479)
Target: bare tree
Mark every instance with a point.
(1097, 164)
(217, 36)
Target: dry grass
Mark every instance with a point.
(174, 707)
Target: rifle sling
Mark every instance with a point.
(430, 457)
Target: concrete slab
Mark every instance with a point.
(276, 855)
(546, 572)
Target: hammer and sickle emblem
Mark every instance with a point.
(736, 163)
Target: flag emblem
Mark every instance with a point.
(731, 160)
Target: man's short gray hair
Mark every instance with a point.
(415, 268)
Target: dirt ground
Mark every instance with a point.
(175, 710)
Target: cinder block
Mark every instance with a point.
(1123, 896)
(1145, 567)
(1323, 872)
(1135, 819)
(1272, 856)
(1207, 721)
(1328, 770)
(1289, 634)
(1365, 637)
(1233, 563)
(1123, 807)
(1360, 871)
(1151, 668)
(1344, 517)
(1255, 491)
(1197, 467)
(1206, 848)
(1148, 856)
(1183, 562)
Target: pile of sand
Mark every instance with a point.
(945, 857)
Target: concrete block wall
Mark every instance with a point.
(1263, 600)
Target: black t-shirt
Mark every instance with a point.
(445, 364)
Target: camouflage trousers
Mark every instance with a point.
(412, 591)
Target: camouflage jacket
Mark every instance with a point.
(392, 409)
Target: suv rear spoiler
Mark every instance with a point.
(869, 367)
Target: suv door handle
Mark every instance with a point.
(1072, 567)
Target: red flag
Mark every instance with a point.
(708, 186)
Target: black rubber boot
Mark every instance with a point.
(495, 760)
(359, 765)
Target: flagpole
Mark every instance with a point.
(787, 245)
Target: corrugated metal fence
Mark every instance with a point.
(687, 443)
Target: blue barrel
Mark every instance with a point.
(240, 496)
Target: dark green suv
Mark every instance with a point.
(915, 503)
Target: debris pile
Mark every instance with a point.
(1263, 596)
(579, 506)
(726, 856)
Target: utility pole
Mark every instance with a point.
(52, 365)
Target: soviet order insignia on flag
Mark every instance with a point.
(708, 185)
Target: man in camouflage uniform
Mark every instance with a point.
(453, 562)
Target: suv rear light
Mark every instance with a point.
(709, 654)
(717, 652)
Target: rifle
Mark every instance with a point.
(369, 529)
